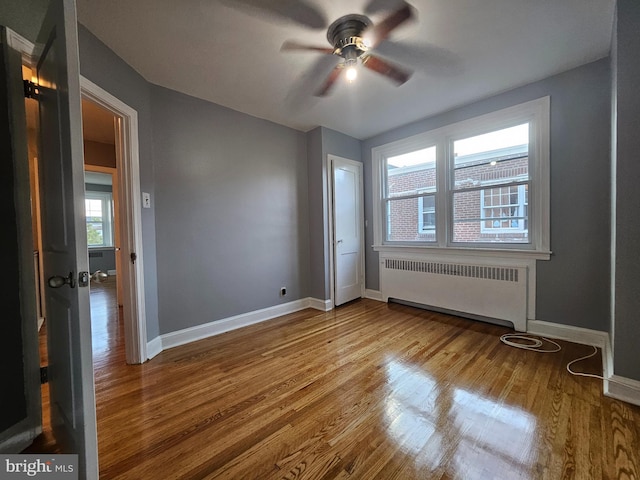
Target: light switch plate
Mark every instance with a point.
(146, 200)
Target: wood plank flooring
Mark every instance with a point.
(366, 391)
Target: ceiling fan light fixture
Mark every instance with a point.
(351, 73)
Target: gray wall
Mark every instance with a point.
(231, 211)
(626, 151)
(573, 287)
(321, 142)
(104, 68)
(23, 16)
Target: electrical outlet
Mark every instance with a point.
(283, 291)
(146, 200)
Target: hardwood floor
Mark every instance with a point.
(366, 391)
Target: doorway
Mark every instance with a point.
(126, 190)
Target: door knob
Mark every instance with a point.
(58, 281)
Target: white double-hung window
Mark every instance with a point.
(99, 219)
(480, 184)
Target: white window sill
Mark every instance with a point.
(512, 253)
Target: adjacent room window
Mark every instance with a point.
(468, 185)
(98, 209)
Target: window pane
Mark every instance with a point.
(98, 219)
(95, 235)
(493, 215)
(93, 207)
(493, 158)
(411, 173)
(408, 222)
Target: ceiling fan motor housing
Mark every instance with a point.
(345, 35)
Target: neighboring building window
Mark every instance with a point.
(98, 209)
(504, 209)
(468, 184)
(427, 214)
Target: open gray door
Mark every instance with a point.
(20, 411)
(64, 237)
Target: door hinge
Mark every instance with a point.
(133, 257)
(44, 375)
(31, 90)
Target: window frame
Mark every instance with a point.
(107, 213)
(537, 114)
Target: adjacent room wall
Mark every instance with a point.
(99, 154)
(104, 68)
(572, 287)
(231, 211)
(321, 142)
(626, 151)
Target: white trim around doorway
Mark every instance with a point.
(128, 167)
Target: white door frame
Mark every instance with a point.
(128, 167)
(329, 187)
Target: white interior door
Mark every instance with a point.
(348, 230)
(64, 241)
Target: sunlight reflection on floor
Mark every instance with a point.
(434, 421)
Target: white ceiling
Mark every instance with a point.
(231, 56)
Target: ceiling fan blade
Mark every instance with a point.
(329, 82)
(398, 74)
(378, 32)
(298, 11)
(431, 59)
(291, 45)
(301, 97)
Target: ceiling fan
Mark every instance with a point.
(353, 39)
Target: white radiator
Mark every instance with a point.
(492, 291)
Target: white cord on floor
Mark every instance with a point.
(580, 374)
(530, 342)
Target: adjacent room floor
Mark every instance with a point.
(366, 391)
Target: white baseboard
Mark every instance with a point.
(154, 347)
(622, 388)
(570, 333)
(192, 334)
(373, 295)
(322, 305)
(111, 273)
(615, 386)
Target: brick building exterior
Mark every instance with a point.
(489, 206)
